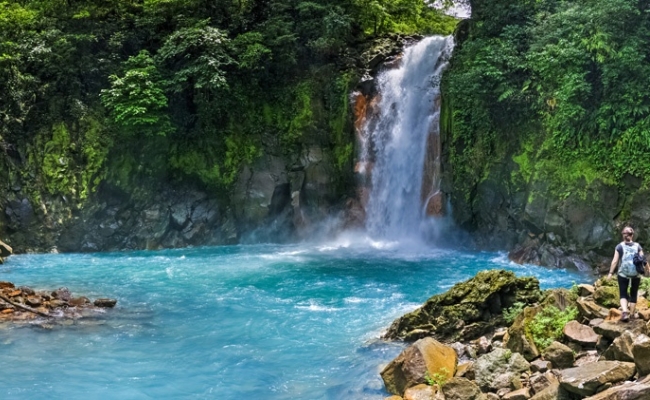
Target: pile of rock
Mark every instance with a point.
(597, 358)
(25, 304)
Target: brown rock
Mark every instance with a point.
(521, 394)
(644, 314)
(461, 389)
(586, 357)
(579, 333)
(15, 293)
(626, 391)
(410, 367)
(34, 301)
(106, 303)
(611, 330)
(621, 348)
(420, 392)
(550, 393)
(394, 397)
(6, 285)
(79, 301)
(559, 355)
(614, 314)
(542, 381)
(540, 366)
(591, 378)
(589, 309)
(483, 345)
(62, 294)
(641, 354)
(462, 369)
(8, 311)
(585, 290)
(56, 303)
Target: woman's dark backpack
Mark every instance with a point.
(639, 263)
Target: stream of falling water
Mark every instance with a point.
(400, 147)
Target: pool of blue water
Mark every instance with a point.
(236, 322)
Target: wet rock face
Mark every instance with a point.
(467, 310)
(543, 228)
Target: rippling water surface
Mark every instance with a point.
(236, 322)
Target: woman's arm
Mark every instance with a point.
(613, 266)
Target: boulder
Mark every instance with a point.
(518, 339)
(641, 354)
(540, 365)
(519, 394)
(606, 293)
(560, 355)
(589, 309)
(462, 369)
(410, 367)
(626, 391)
(105, 303)
(550, 393)
(420, 392)
(611, 330)
(586, 357)
(579, 333)
(588, 379)
(585, 290)
(469, 309)
(621, 348)
(461, 389)
(394, 397)
(498, 369)
(62, 294)
(540, 382)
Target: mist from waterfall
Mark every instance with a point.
(396, 141)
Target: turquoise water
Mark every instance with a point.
(237, 322)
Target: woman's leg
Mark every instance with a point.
(622, 291)
(634, 290)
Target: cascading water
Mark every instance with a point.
(398, 139)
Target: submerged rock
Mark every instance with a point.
(469, 309)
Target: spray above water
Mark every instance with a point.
(401, 146)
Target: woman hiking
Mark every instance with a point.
(627, 273)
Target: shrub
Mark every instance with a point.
(547, 325)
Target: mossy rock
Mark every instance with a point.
(469, 309)
(560, 298)
(606, 293)
(519, 339)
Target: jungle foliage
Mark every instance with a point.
(561, 84)
(121, 89)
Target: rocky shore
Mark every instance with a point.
(24, 304)
(498, 336)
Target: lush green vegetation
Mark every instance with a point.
(126, 90)
(560, 84)
(547, 325)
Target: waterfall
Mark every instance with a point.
(400, 146)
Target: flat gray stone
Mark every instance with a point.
(588, 379)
